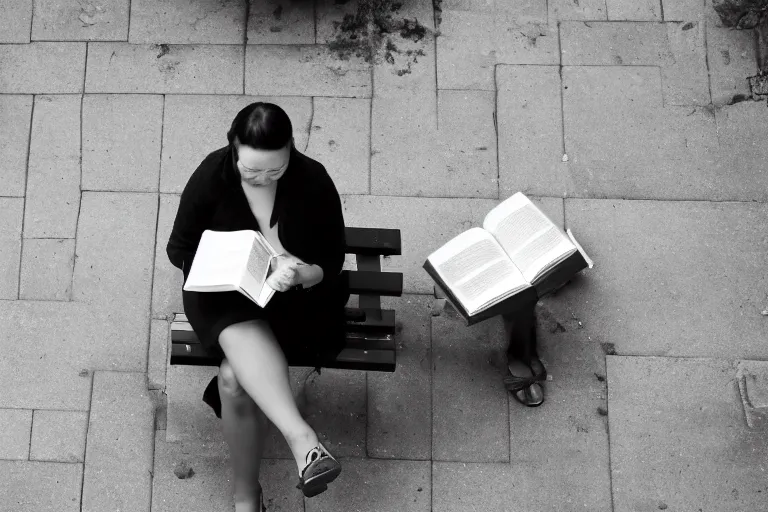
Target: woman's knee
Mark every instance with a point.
(229, 382)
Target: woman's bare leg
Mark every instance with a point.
(261, 369)
(245, 430)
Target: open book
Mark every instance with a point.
(233, 261)
(518, 251)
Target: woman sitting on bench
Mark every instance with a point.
(261, 182)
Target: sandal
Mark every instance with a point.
(320, 470)
(539, 370)
(526, 389)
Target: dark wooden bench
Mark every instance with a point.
(370, 330)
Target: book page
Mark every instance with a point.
(533, 242)
(476, 269)
(220, 260)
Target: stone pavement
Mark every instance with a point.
(628, 121)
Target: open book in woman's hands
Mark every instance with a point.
(519, 253)
(233, 261)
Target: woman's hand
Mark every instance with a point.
(285, 273)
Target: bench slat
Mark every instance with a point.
(373, 241)
(362, 282)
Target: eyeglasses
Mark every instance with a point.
(269, 172)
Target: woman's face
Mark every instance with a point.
(260, 167)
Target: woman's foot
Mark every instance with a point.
(521, 381)
(320, 470)
(300, 445)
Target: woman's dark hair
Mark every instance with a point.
(261, 126)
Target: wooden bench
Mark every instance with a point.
(370, 330)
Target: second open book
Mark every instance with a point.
(518, 251)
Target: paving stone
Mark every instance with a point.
(472, 43)
(59, 436)
(753, 389)
(525, 10)
(281, 22)
(284, 70)
(634, 10)
(335, 407)
(115, 228)
(686, 82)
(689, 450)
(566, 10)
(731, 59)
(399, 411)
(683, 10)
(42, 68)
(15, 429)
(340, 139)
(470, 414)
(742, 149)
(530, 127)
(46, 269)
(160, 403)
(15, 24)
(95, 20)
(14, 132)
(665, 153)
(53, 178)
(186, 141)
(41, 486)
(168, 280)
(121, 142)
(159, 335)
(377, 485)
(441, 220)
(575, 446)
(328, 16)
(120, 446)
(665, 306)
(164, 69)
(509, 487)
(11, 216)
(169, 22)
(189, 418)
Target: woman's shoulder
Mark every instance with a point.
(312, 173)
(209, 174)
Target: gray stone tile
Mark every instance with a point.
(641, 297)
(43, 375)
(440, 220)
(164, 69)
(11, 216)
(46, 269)
(690, 449)
(683, 10)
(100, 20)
(168, 280)
(41, 486)
(121, 142)
(160, 403)
(742, 149)
(470, 414)
(399, 412)
(210, 487)
(686, 82)
(564, 10)
(42, 68)
(574, 442)
(169, 22)
(281, 22)
(509, 487)
(665, 153)
(731, 58)
(634, 10)
(328, 15)
(377, 485)
(297, 70)
(340, 139)
(15, 24)
(528, 9)
(14, 132)
(472, 43)
(159, 336)
(59, 436)
(53, 178)
(189, 418)
(15, 430)
(120, 447)
(335, 407)
(115, 228)
(530, 127)
(186, 142)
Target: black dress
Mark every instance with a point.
(308, 323)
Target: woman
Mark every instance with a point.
(261, 182)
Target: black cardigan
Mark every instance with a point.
(307, 205)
